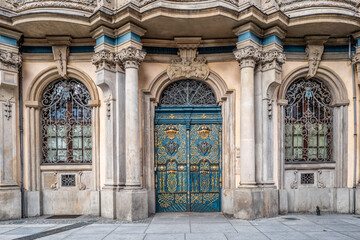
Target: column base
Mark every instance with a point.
(132, 204)
(108, 203)
(33, 204)
(251, 203)
(10, 202)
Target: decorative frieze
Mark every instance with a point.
(194, 68)
(291, 5)
(104, 60)
(9, 60)
(145, 2)
(84, 5)
(248, 56)
(273, 59)
(131, 57)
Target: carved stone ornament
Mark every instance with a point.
(248, 56)
(291, 5)
(9, 60)
(314, 54)
(54, 186)
(81, 185)
(356, 61)
(131, 57)
(294, 184)
(84, 5)
(321, 183)
(145, 2)
(188, 65)
(61, 54)
(104, 60)
(273, 59)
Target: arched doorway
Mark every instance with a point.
(188, 127)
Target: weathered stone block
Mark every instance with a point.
(10, 204)
(248, 203)
(33, 204)
(227, 201)
(343, 200)
(271, 202)
(283, 199)
(132, 205)
(108, 203)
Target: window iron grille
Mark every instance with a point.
(188, 93)
(308, 122)
(68, 180)
(66, 123)
(307, 178)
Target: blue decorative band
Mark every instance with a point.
(290, 48)
(212, 50)
(117, 41)
(249, 35)
(161, 50)
(33, 49)
(82, 49)
(8, 40)
(358, 42)
(328, 49)
(272, 39)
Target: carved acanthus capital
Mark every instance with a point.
(314, 54)
(131, 57)
(273, 59)
(9, 60)
(248, 56)
(356, 61)
(104, 60)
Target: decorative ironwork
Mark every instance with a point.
(307, 178)
(204, 147)
(66, 123)
(188, 93)
(68, 180)
(171, 147)
(308, 122)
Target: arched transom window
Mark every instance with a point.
(66, 123)
(188, 93)
(308, 122)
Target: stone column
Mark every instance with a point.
(10, 195)
(134, 202)
(247, 57)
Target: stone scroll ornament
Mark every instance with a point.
(248, 56)
(314, 54)
(188, 65)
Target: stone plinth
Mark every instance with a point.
(10, 202)
(132, 205)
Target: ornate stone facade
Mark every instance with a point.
(248, 56)
(131, 57)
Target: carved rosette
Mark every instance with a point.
(248, 56)
(131, 57)
(9, 60)
(104, 60)
(273, 59)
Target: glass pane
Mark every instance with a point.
(77, 130)
(312, 153)
(313, 141)
(51, 143)
(77, 142)
(87, 143)
(298, 141)
(298, 153)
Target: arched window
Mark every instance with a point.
(188, 93)
(308, 122)
(66, 123)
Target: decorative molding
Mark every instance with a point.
(320, 183)
(356, 61)
(314, 51)
(54, 186)
(61, 54)
(104, 60)
(145, 2)
(81, 185)
(270, 107)
(9, 60)
(294, 184)
(291, 5)
(108, 107)
(273, 59)
(84, 5)
(248, 56)
(8, 108)
(131, 57)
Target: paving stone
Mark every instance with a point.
(211, 227)
(165, 236)
(130, 229)
(355, 235)
(245, 228)
(208, 219)
(26, 230)
(246, 236)
(287, 236)
(343, 227)
(310, 228)
(8, 228)
(328, 236)
(272, 227)
(207, 236)
(125, 236)
(169, 228)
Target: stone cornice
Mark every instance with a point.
(248, 56)
(131, 57)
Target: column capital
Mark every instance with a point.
(9, 61)
(248, 56)
(131, 57)
(104, 59)
(273, 58)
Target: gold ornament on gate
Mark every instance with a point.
(171, 131)
(204, 132)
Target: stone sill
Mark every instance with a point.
(66, 167)
(309, 166)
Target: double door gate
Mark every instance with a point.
(188, 159)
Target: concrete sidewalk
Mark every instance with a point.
(182, 226)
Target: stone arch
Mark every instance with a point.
(226, 99)
(330, 79)
(340, 102)
(50, 74)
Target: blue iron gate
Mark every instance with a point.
(188, 159)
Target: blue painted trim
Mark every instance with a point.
(127, 37)
(249, 35)
(272, 39)
(105, 39)
(82, 49)
(291, 48)
(8, 40)
(36, 49)
(344, 48)
(212, 50)
(161, 50)
(358, 42)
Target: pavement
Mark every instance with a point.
(189, 226)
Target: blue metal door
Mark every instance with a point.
(188, 159)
